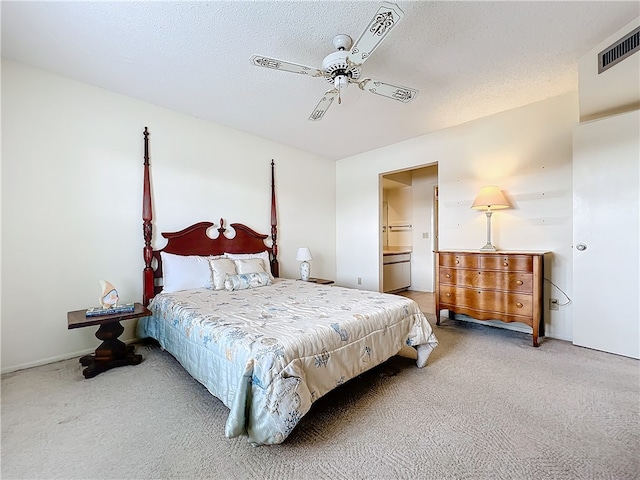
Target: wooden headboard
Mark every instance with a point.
(194, 239)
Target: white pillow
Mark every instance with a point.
(250, 265)
(264, 256)
(220, 269)
(184, 272)
(248, 280)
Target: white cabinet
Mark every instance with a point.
(396, 271)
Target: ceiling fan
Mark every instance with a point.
(344, 66)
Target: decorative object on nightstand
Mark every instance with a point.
(303, 256)
(490, 198)
(109, 302)
(109, 297)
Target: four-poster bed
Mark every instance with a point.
(267, 347)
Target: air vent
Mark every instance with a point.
(623, 48)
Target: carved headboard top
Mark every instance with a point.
(194, 240)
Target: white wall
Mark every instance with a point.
(526, 151)
(72, 162)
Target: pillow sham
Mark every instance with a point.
(264, 256)
(247, 280)
(250, 265)
(184, 272)
(220, 269)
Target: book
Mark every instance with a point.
(97, 311)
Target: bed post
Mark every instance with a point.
(275, 267)
(147, 228)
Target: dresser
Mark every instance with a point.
(500, 285)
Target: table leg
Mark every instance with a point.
(111, 353)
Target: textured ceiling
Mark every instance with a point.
(467, 59)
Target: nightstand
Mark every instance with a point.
(112, 352)
(320, 281)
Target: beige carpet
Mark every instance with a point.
(488, 406)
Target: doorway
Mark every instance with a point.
(409, 223)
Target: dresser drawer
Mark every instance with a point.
(511, 281)
(458, 261)
(486, 300)
(510, 263)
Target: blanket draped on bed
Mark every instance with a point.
(268, 353)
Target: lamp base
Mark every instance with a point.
(489, 248)
(305, 270)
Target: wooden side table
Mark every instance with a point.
(112, 352)
(320, 281)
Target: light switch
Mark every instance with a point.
(425, 234)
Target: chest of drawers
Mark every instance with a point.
(503, 286)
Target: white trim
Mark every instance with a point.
(57, 358)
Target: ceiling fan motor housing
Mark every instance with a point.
(336, 66)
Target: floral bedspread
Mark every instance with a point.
(268, 353)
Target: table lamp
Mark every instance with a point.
(490, 198)
(303, 256)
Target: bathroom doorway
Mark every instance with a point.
(409, 229)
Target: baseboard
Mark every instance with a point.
(57, 358)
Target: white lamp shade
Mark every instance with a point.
(490, 198)
(304, 254)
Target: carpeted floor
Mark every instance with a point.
(487, 406)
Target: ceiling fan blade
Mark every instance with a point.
(385, 19)
(402, 94)
(323, 105)
(274, 63)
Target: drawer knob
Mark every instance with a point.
(519, 305)
(448, 295)
(457, 262)
(519, 282)
(506, 264)
(448, 276)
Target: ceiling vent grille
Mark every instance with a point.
(623, 48)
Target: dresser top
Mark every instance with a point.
(499, 252)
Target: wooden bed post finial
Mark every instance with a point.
(275, 267)
(147, 228)
(222, 229)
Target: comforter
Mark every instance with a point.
(268, 353)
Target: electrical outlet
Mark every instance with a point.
(359, 281)
(553, 304)
(425, 234)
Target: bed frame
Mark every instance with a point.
(194, 240)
